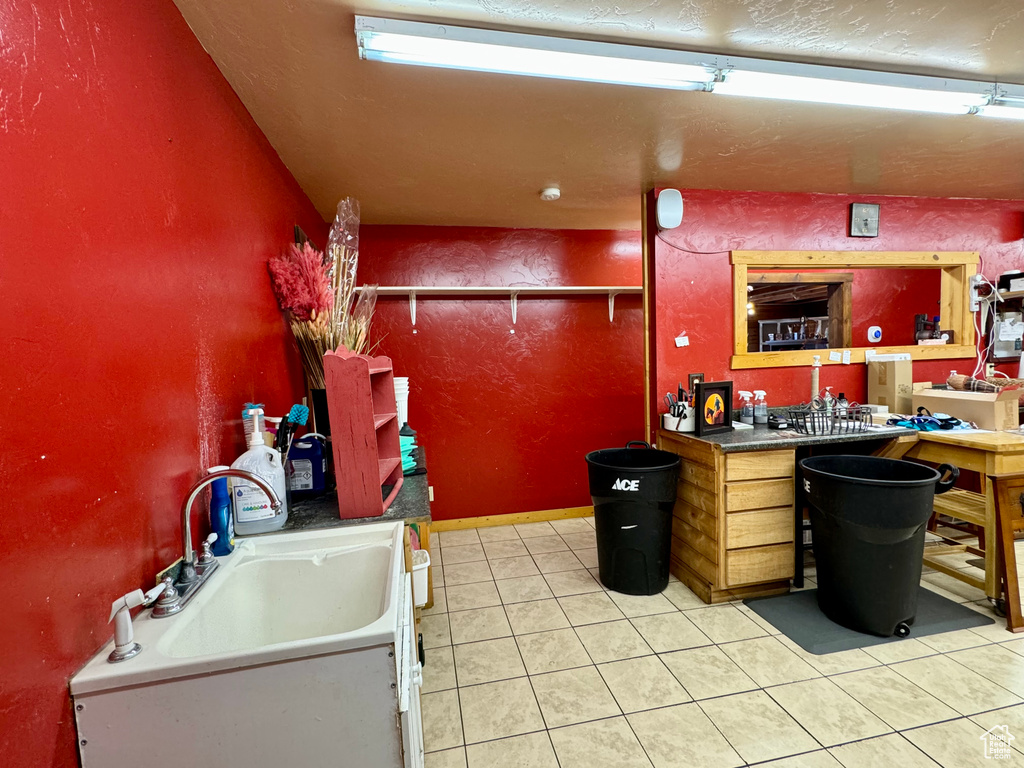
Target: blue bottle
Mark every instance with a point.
(221, 521)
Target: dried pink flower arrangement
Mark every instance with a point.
(302, 283)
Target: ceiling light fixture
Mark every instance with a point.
(515, 53)
(454, 47)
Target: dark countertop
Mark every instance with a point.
(309, 514)
(762, 438)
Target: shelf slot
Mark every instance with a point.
(386, 467)
(382, 419)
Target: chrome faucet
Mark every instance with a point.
(177, 593)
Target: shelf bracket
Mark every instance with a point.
(412, 306)
(611, 306)
(515, 305)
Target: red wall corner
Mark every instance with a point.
(506, 418)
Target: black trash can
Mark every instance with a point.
(868, 519)
(633, 490)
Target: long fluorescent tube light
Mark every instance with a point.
(454, 47)
(769, 85)
(1008, 103)
(435, 45)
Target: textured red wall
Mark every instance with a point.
(138, 207)
(694, 291)
(506, 418)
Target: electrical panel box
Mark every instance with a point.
(1007, 335)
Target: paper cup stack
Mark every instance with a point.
(402, 398)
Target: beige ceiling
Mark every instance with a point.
(430, 146)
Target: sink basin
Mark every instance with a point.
(282, 599)
(275, 598)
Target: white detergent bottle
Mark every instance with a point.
(746, 407)
(252, 509)
(760, 407)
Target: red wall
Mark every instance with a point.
(138, 207)
(506, 418)
(694, 291)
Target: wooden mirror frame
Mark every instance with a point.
(954, 300)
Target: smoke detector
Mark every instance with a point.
(550, 193)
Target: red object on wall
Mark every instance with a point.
(694, 290)
(506, 418)
(138, 208)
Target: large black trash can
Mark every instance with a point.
(633, 489)
(868, 518)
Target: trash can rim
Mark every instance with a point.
(935, 475)
(671, 460)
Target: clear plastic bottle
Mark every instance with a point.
(760, 407)
(746, 408)
(252, 510)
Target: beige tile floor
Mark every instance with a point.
(531, 663)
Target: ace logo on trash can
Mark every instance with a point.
(626, 485)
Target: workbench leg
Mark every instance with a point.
(993, 563)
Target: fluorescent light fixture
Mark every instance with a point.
(999, 110)
(454, 47)
(435, 45)
(1007, 104)
(795, 87)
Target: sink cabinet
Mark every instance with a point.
(733, 519)
(348, 709)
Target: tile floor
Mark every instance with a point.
(531, 663)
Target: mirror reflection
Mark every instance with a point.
(831, 310)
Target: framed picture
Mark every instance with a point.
(713, 406)
(691, 384)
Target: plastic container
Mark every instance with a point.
(420, 569)
(252, 510)
(633, 490)
(746, 407)
(760, 407)
(307, 466)
(221, 517)
(868, 519)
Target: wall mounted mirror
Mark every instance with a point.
(787, 304)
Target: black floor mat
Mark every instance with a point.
(798, 617)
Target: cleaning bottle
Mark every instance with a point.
(221, 518)
(307, 465)
(746, 407)
(253, 513)
(760, 407)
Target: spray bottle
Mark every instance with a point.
(760, 407)
(746, 407)
(253, 513)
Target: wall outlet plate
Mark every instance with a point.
(863, 220)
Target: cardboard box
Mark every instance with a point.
(989, 410)
(891, 383)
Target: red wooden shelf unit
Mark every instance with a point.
(364, 431)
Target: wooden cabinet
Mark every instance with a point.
(364, 431)
(733, 520)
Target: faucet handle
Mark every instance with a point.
(207, 556)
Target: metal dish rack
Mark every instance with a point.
(838, 421)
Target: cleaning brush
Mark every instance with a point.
(297, 417)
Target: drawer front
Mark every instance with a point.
(759, 464)
(758, 494)
(754, 529)
(758, 564)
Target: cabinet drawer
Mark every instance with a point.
(759, 464)
(758, 564)
(758, 494)
(753, 529)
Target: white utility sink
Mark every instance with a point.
(283, 599)
(299, 647)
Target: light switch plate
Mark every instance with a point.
(863, 220)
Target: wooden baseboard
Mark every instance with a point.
(514, 518)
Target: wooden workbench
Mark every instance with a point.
(736, 532)
(988, 453)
